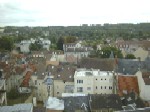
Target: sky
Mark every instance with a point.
(72, 12)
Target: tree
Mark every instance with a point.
(130, 56)
(106, 51)
(69, 39)
(13, 94)
(60, 43)
(35, 47)
(6, 43)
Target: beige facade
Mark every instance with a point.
(43, 90)
(61, 86)
(93, 81)
(141, 53)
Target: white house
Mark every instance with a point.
(93, 81)
(144, 85)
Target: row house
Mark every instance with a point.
(53, 81)
(71, 45)
(78, 52)
(63, 78)
(42, 83)
(93, 81)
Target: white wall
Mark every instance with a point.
(143, 89)
(99, 84)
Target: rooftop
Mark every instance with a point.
(17, 108)
(92, 72)
(127, 84)
(96, 63)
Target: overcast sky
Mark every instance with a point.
(72, 12)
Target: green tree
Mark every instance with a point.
(130, 56)
(70, 39)
(6, 43)
(106, 51)
(60, 43)
(35, 47)
(13, 94)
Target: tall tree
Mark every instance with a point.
(60, 43)
(35, 47)
(106, 52)
(70, 39)
(6, 43)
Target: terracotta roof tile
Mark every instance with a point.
(25, 82)
(128, 84)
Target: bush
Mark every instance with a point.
(13, 94)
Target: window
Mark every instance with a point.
(110, 87)
(79, 89)
(101, 79)
(96, 79)
(88, 88)
(105, 79)
(35, 82)
(57, 92)
(96, 87)
(105, 87)
(101, 87)
(79, 81)
(39, 83)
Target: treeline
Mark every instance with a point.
(97, 32)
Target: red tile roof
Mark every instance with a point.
(127, 83)
(25, 82)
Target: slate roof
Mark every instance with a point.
(71, 104)
(99, 101)
(95, 63)
(92, 102)
(128, 84)
(129, 66)
(17, 108)
(146, 77)
(62, 72)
